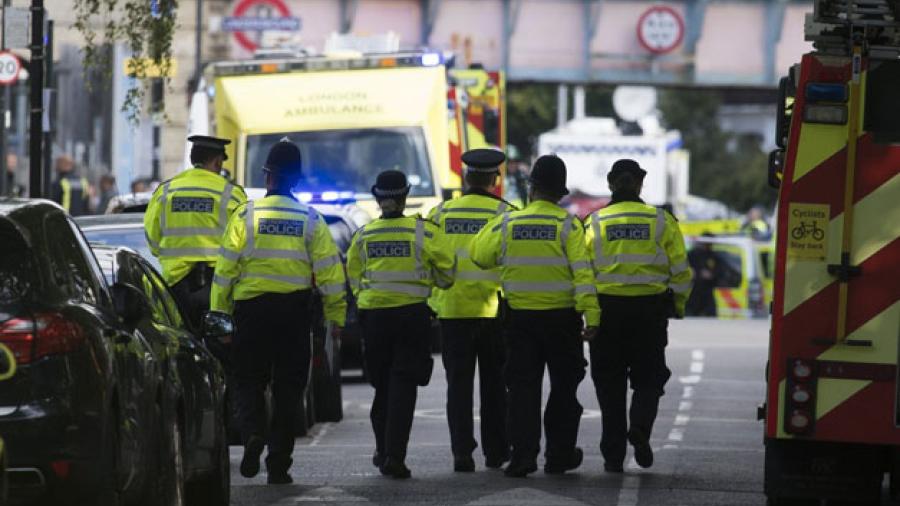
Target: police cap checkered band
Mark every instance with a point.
(206, 141)
(390, 183)
(483, 160)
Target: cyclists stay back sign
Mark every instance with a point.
(808, 231)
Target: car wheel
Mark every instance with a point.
(214, 489)
(170, 473)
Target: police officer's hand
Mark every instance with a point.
(589, 333)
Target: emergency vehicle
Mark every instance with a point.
(743, 286)
(353, 114)
(832, 416)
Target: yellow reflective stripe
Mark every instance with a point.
(631, 279)
(332, 288)
(538, 286)
(284, 278)
(532, 261)
(326, 262)
(478, 276)
(200, 252)
(589, 289)
(227, 254)
(287, 254)
(190, 231)
(396, 276)
(681, 287)
(221, 280)
(414, 290)
(66, 193)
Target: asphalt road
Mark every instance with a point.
(707, 440)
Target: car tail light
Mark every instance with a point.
(800, 420)
(45, 334)
(801, 394)
(801, 370)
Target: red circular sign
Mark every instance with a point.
(10, 66)
(245, 5)
(660, 29)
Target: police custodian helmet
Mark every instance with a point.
(390, 184)
(549, 173)
(626, 166)
(284, 158)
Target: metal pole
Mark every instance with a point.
(48, 134)
(198, 44)
(36, 78)
(3, 102)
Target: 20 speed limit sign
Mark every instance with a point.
(660, 29)
(9, 68)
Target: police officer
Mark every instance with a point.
(642, 277)
(546, 276)
(271, 250)
(70, 190)
(185, 220)
(393, 262)
(470, 330)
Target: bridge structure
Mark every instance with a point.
(720, 43)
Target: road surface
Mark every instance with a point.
(707, 440)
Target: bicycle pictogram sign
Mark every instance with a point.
(808, 231)
(807, 228)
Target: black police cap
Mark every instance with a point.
(390, 183)
(284, 157)
(625, 166)
(483, 160)
(549, 173)
(209, 142)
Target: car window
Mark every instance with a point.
(730, 266)
(69, 264)
(165, 296)
(19, 276)
(131, 237)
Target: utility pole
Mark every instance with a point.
(4, 103)
(36, 81)
(198, 45)
(49, 95)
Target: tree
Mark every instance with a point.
(530, 111)
(146, 27)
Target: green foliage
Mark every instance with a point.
(530, 111)
(146, 33)
(724, 166)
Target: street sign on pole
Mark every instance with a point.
(660, 29)
(15, 27)
(258, 16)
(9, 68)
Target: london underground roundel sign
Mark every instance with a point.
(660, 29)
(258, 16)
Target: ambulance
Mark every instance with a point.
(353, 114)
(832, 413)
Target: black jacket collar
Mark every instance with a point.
(625, 197)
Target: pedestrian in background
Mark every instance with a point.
(185, 220)
(107, 192)
(546, 276)
(393, 263)
(643, 277)
(706, 264)
(13, 188)
(271, 250)
(70, 190)
(471, 332)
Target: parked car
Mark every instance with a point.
(7, 371)
(82, 418)
(196, 393)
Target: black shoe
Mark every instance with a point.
(395, 469)
(252, 451)
(464, 464)
(495, 462)
(643, 454)
(377, 459)
(279, 478)
(520, 469)
(613, 468)
(558, 466)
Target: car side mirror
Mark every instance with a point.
(7, 363)
(130, 305)
(217, 324)
(776, 168)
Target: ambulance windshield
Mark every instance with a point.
(349, 160)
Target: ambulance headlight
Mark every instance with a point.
(431, 59)
(827, 114)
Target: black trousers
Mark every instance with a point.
(702, 301)
(466, 342)
(192, 293)
(536, 339)
(271, 344)
(629, 347)
(398, 359)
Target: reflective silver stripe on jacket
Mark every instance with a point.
(223, 207)
(420, 244)
(286, 254)
(504, 228)
(623, 215)
(284, 278)
(681, 287)
(227, 254)
(589, 289)
(631, 279)
(332, 289)
(153, 245)
(388, 230)
(478, 276)
(162, 200)
(529, 261)
(198, 252)
(581, 264)
(250, 230)
(660, 225)
(397, 276)
(678, 268)
(502, 207)
(221, 280)
(564, 234)
(414, 290)
(282, 209)
(538, 286)
(322, 263)
(189, 231)
(462, 253)
(540, 217)
(309, 230)
(469, 210)
(659, 258)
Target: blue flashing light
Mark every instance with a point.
(431, 59)
(826, 92)
(326, 197)
(305, 197)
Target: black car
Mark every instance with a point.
(197, 396)
(82, 418)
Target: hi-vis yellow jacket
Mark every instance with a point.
(276, 245)
(474, 293)
(543, 259)
(395, 262)
(185, 220)
(637, 249)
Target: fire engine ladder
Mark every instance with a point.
(852, 28)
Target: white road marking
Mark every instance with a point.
(690, 380)
(525, 496)
(697, 367)
(628, 494)
(688, 392)
(323, 429)
(698, 355)
(676, 434)
(320, 495)
(685, 405)
(682, 420)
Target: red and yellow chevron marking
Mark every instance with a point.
(861, 408)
